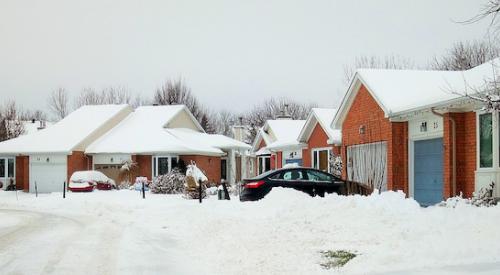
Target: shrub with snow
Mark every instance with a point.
(336, 165)
(171, 183)
(483, 198)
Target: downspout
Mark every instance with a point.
(454, 150)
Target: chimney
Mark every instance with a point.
(238, 130)
(42, 125)
(284, 114)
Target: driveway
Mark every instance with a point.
(40, 243)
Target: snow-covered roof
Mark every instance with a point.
(143, 132)
(31, 127)
(400, 91)
(216, 141)
(279, 134)
(69, 134)
(147, 131)
(323, 117)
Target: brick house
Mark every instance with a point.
(48, 157)
(321, 139)
(159, 138)
(276, 144)
(103, 137)
(415, 131)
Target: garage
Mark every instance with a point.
(48, 172)
(428, 171)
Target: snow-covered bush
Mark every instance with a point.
(484, 197)
(336, 165)
(171, 183)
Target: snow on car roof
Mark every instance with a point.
(68, 133)
(143, 131)
(91, 175)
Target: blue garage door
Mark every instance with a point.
(428, 171)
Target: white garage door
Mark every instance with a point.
(48, 173)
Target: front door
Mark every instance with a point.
(428, 171)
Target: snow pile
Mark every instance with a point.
(284, 233)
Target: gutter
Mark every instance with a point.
(454, 150)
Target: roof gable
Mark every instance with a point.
(400, 91)
(145, 131)
(324, 118)
(73, 133)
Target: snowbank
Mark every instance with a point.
(281, 234)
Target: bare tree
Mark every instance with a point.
(174, 92)
(375, 62)
(58, 103)
(110, 95)
(32, 114)
(270, 108)
(466, 55)
(491, 8)
(10, 124)
(89, 96)
(223, 122)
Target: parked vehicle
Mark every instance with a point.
(311, 181)
(86, 181)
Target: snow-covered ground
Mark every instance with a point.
(118, 232)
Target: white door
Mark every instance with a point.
(48, 173)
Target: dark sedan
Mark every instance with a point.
(311, 181)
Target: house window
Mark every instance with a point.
(162, 165)
(321, 159)
(10, 169)
(485, 141)
(264, 164)
(2, 168)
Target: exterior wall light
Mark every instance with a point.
(362, 129)
(423, 126)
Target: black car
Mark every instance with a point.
(311, 181)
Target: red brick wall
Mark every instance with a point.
(397, 157)
(279, 157)
(144, 165)
(318, 139)
(78, 161)
(465, 153)
(22, 173)
(366, 112)
(211, 166)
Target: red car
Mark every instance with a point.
(86, 181)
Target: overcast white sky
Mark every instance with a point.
(231, 53)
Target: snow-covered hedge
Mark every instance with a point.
(171, 183)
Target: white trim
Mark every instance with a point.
(6, 177)
(154, 165)
(495, 143)
(316, 150)
(261, 167)
(411, 162)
